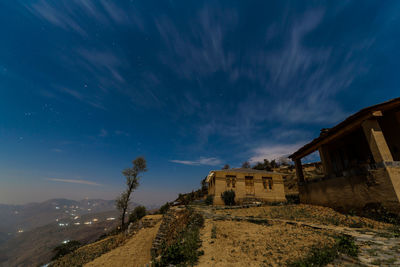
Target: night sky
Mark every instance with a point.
(88, 85)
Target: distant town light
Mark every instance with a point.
(20, 231)
(110, 219)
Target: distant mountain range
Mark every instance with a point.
(29, 232)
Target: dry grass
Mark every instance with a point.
(94, 250)
(307, 213)
(135, 252)
(88, 253)
(248, 244)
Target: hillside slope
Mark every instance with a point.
(29, 216)
(134, 253)
(35, 247)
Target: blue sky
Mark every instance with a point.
(86, 86)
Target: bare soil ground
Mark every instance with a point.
(249, 244)
(135, 252)
(289, 232)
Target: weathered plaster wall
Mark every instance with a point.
(267, 195)
(353, 192)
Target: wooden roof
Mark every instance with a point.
(345, 126)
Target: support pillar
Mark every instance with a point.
(299, 171)
(325, 159)
(376, 140)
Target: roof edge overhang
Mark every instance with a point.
(209, 176)
(348, 125)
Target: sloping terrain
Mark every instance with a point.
(116, 250)
(295, 235)
(32, 215)
(135, 252)
(34, 247)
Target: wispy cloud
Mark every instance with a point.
(102, 61)
(67, 14)
(121, 133)
(56, 17)
(273, 151)
(296, 83)
(92, 101)
(86, 182)
(72, 93)
(201, 161)
(205, 56)
(103, 133)
(303, 80)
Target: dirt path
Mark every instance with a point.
(135, 252)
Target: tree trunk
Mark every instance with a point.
(123, 220)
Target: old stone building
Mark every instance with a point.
(360, 158)
(249, 185)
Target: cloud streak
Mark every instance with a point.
(201, 161)
(67, 14)
(72, 181)
(273, 151)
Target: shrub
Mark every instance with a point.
(228, 197)
(321, 256)
(184, 250)
(293, 199)
(214, 232)
(164, 208)
(138, 213)
(65, 249)
(378, 212)
(209, 200)
(347, 245)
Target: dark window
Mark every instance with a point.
(231, 181)
(267, 183)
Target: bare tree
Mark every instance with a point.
(246, 165)
(132, 182)
(226, 166)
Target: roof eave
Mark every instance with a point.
(345, 126)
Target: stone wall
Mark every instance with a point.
(354, 191)
(172, 222)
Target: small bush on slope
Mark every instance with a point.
(209, 200)
(184, 250)
(138, 213)
(87, 253)
(321, 256)
(228, 197)
(164, 208)
(66, 248)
